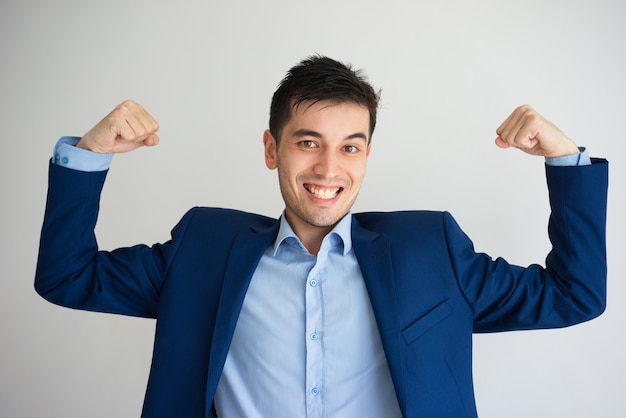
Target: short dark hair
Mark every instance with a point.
(318, 78)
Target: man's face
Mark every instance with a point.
(321, 160)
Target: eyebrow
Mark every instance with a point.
(308, 132)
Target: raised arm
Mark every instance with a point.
(71, 271)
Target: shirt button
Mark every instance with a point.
(315, 391)
(313, 283)
(65, 160)
(314, 336)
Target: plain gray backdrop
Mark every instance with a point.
(450, 73)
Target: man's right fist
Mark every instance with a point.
(128, 127)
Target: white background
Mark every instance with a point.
(450, 72)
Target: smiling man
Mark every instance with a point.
(320, 313)
(321, 164)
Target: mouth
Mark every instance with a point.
(324, 193)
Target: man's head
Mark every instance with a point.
(316, 79)
(323, 115)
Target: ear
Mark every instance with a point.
(369, 149)
(269, 143)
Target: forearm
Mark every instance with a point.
(577, 231)
(571, 288)
(68, 243)
(72, 272)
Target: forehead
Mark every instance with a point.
(329, 115)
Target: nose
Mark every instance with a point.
(327, 164)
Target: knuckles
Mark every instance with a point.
(527, 113)
(136, 117)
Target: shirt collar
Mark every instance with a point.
(342, 233)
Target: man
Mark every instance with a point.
(321, 312)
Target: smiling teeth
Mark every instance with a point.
(323, 193)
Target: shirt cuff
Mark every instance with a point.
(582, 158)
(66, 154)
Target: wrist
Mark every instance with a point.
(68, 154)
(84, 145)
(567, 149)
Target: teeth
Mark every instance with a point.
(323, 193)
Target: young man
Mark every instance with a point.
(321, 312)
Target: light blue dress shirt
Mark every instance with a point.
(306, 342)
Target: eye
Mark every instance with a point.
(351, 149)
(307, 144)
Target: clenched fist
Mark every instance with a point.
(532, 133)
(128, 127)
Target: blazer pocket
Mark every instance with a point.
(426, 322)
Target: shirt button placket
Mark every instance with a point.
(314, 346)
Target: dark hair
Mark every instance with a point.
(316, 79)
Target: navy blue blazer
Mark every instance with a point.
(428, 287)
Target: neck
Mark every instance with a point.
(311, 236)
(312, 244)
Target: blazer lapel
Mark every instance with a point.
(374, 256)
(247, 250)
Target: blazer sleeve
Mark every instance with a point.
(571, 288)
(72, 272)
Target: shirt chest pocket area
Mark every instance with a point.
(426, 322)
